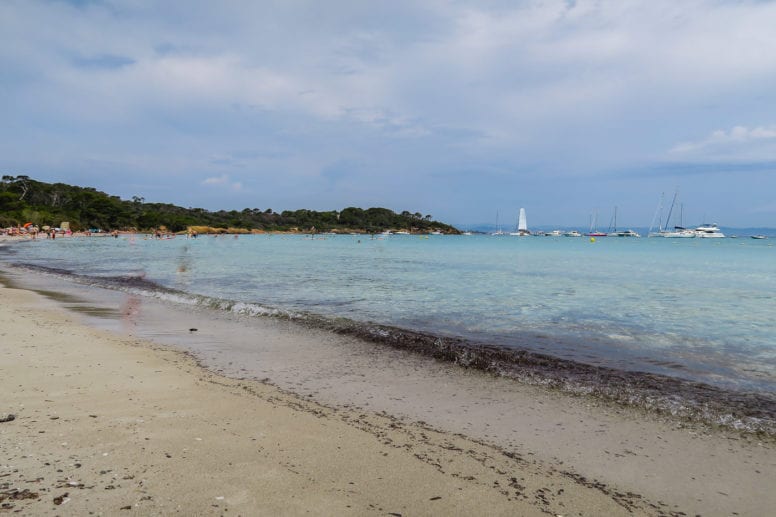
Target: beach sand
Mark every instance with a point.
(112, 424)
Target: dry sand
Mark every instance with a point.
(116, 425)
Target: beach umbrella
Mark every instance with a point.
(27, 224)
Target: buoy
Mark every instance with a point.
(592, 239)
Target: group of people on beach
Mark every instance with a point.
(32, 232)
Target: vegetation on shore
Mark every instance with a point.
(25, 200)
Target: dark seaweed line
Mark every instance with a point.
(743, 411)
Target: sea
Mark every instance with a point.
(667, 323)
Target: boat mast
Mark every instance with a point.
(613, 224)
(594, 221)
(670, 210)
(658, 213)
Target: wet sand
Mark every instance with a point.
(338, 411)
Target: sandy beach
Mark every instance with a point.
(105, 423)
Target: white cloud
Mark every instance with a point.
(223, 181)
(739, 141)
(218, 180)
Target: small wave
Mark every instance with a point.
(750, 412)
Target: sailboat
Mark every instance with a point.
(498, 226)
(522, 225)
(594, 227)
(620, 233)
(679, 232)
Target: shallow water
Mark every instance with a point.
(695, 309)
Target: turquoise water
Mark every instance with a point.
(698, 309)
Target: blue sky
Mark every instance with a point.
(451, 108)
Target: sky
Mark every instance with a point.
(458, 109)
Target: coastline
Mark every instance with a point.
(110, 423)
(681, 399)
(539, 441)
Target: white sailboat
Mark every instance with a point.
(498, 227)
(678, 232)
(522, 225)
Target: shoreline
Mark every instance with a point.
(684, 400)
(674, 468)
(109, 423)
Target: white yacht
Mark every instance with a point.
(708, 231)
(572, 233)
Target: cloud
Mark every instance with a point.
(219, 180)
(740, 142)
(222, 181)
(274, 93)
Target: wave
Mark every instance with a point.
(750, 412)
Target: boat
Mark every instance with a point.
(708, 231)
(554, 233)
(572, 233)
(759, 237)
(679, 231)
(620, 233)
(522, 225)
(498, 231)
(624, 233)
(594, 227)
